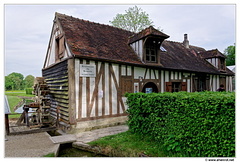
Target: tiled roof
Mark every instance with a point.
(211, 54)
(150, 31)
(179, 57)
(103, 42)
(93, 40)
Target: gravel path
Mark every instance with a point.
(40, 144)
(29, 145)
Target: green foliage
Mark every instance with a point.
(15, 81)
(134, 19)
(191, 124)
(49, 155)
(29, 90)
(18, 93)
(14, 99)
(29, 81)
(230, 53)
(130, 145)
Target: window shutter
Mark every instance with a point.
(184, 86)
(127, 85)
(61, 47)
(168, 86)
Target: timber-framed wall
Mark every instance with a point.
(79, 98)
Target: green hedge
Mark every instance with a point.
(29, 90)
(191, 124)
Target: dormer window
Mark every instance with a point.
(216, 58)
(151, 51)
(147, 44)
(222, 65)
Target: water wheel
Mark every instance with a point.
(39, 116)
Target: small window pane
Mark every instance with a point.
(147, 51)
(153, 58)
(147, 58)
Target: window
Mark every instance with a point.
(60, 47)
(176, 86)
(151, 51)
(222, 64)
(199, 83)
(57, 50)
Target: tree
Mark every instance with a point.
(28, 81)
(14, 81)
(9, 84)
(230, 53)
(135, 20)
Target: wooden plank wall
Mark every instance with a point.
(57, 80)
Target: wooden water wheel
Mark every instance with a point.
(41, 92)
(39, 116)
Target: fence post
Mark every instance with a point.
(7, 124)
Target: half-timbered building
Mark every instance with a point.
(90, 66)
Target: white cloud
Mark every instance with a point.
(28, 27)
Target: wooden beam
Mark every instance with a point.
(71, 92)
(117, 86)
(95, 91)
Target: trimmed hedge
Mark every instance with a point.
(29, 90)
(200, 124)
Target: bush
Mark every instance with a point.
(193, 124)
(29, 90)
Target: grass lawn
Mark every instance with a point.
(13, 100)
(18, 93)
(130, 145)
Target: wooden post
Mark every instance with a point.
(26, 116)
(7, 124)
(71, 91)
(57, 122)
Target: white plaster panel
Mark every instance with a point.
(166, 76)
(138, 72)
(106, 89)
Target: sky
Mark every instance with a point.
(27, 28)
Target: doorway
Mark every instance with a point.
(150, 87)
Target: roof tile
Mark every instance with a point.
(103, 42)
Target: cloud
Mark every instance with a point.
(28, 27)
(207, 26)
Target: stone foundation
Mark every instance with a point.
(98, 123)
